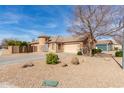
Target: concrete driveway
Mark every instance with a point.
(18, 58)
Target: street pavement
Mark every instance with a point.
(19, 58)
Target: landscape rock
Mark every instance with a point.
(28, 65)
(75, 61)
(64, 65)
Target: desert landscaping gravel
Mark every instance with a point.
(91, 72)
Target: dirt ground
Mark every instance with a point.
(91, 72)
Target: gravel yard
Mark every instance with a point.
(91, 72)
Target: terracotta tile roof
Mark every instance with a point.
(64, 39)
(43, 36)
(104, 42)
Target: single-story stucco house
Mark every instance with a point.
(68, 44)
(57, 44)
(65, 44)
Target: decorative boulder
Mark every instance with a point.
(28, 65)
(75, 61)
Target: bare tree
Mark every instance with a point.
(119, 37)
(96, 21)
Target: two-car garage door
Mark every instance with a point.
(74, 48)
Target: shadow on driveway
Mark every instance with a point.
(117, 62)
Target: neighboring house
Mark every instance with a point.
(105, 45)
(116, 46)
(58, 44)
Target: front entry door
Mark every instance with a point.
(60, 48)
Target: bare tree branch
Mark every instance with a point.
(97, 21)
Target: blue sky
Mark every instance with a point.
(28, 22)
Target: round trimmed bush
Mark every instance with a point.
(119, 53)
(79, 53)
(52, 58)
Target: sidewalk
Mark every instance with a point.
(7, 85)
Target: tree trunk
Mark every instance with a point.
(91, 52)
(91, 45)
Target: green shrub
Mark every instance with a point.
(79, 53)
(95, 51)
(52, 58)
(12, 42)
(99, 50)
(119, 53)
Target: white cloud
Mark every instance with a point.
(8, 22)
(47, 25)
(29, 31)
(51, 25)
(10, 18)
(33, 32)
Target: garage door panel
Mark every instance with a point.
(71, 48)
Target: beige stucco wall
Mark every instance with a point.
(9, 49)
(54, 49)
(42, 41)
(5, 52)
